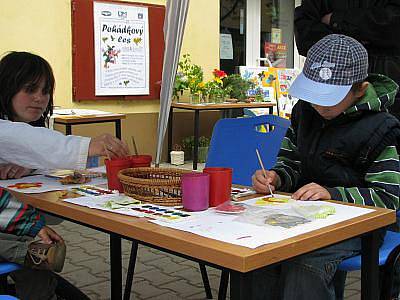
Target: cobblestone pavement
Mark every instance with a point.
(158, 275)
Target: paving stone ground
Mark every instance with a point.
(158, 275)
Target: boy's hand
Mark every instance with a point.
(8, 171)
(48, 235)
(312, 191)
(115, 147)
(260, 183)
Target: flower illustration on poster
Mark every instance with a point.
(110, 55)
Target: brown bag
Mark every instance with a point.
(46, 256)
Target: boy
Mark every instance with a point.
(342, 146)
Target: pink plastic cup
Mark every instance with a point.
(112, 168)
(220, 185)
(195, 191)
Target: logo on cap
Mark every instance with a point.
(325, 73)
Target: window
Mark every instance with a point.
(232, 34)
(252, 30)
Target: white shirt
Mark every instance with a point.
(41, 148)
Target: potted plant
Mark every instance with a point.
(187, 147)
(189, 77)
(204, 143)
(237, 86)
(215, 87)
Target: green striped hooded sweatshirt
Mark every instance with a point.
(353, 155)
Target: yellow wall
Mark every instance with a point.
(44, 27)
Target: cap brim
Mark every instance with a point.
(318, 93)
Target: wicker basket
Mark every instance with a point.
(153, 185)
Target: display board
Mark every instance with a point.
(83, 53)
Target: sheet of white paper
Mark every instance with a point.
(224, 227)
(79, 112)
(225, 46)
(43, 184)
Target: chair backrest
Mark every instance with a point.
(234, 143)
(7, 267)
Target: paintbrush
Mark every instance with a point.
(134, 145)
(264, 172)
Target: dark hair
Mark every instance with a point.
(21, 69)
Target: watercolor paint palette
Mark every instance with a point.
(161, 213)
(237, 193)
(91, 191)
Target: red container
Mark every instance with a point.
(140, 160)
(220, 185)
(112, 168)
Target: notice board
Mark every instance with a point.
(83, 60)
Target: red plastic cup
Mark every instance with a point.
(140, 160)
(112, 168)
(195, 191)
(220, 185)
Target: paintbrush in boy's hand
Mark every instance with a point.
(264, 172)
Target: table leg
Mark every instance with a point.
(196, 139)
(131, 270)
(118, 129)
(116, 266)
(170, 121)
(241, 285)
(271, 110)
(370, 266)
(68, 129)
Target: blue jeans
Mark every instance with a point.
(309, 276)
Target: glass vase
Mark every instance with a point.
(195, 98)
(217, 99)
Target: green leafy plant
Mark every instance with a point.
(215, 87)
(188, 143)
(237, 86)
(204, 141)
(189, 76)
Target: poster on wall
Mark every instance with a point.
(121, 39)
(263, 79)
(276, 53)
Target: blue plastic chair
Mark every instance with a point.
(389, 254)
(234, 143)
(7, 297)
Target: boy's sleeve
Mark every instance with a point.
(18, 218)
(383, 179)
(288, 162)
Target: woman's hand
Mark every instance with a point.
(312, 191)
(49, 236)
(260, 182)
(9, 171)
(107, 145)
